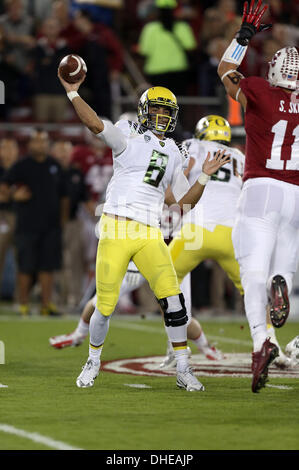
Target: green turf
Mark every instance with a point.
(42, 396)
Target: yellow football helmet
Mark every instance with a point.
(160, 96)
(213, 127)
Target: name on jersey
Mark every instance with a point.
(293, 107)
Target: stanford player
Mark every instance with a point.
(267, 228)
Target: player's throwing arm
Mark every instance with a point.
(115, 140)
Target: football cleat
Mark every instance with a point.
(188, 381)
(24, 310)
(88, 375)
(279, 301)
(170, 360)
(50, 310)
(292, 349)
(212, 353)
(63, 341)
(260, 363)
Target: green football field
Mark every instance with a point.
(133, 406)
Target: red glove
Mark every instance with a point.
(251, 22)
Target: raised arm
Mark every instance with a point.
(234, 54)
(85, 113)
(105, 130)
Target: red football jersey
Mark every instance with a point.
(272, 131)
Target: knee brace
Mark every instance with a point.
(174, 318)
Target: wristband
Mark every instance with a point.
(203, 178)
(72, 94)
(234, 53)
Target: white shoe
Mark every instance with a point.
(88, 375)
(188, 381)
(292, 349)
(212, 353)
(282, 361)
(170, 360)
(64, 341)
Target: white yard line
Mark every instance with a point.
(137, 385)
(35, 437)
(281, 387)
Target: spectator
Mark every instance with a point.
(103, 55)
(213, 23)
(72, 274)
(50, 102)
(37, 9)
(227, 9)
(165, 43)
(9, 152)
(61, 12)
(39, 190)
(18, 28)
(9, 74)
(190, 11)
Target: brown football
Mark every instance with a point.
(72, 68)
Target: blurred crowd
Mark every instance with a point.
(62, 178)
(175, 42)
(48, 201)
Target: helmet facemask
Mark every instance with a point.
(156, 122)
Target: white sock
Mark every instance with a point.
(181, 356)
(201, 342)
(95, 353)
(82, 328)
(98, 327)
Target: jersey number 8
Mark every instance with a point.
(156, 168)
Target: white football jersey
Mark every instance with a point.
(218, 204)
(141, 175)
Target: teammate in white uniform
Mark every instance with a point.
(206, 229)
(145, 164)
(212, 219)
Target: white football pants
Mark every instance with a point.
(266, 242)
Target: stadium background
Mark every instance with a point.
(35, 35)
